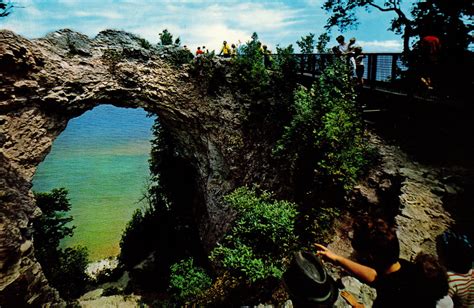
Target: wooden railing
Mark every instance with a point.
(378, 67)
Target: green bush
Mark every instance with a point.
(141, 235)
(188, 280)
(166, 38)
(326, 129)
(262, 236)
(284, 69)
(144, 43)
(250, 68)
(64, 268)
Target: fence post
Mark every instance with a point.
(373, 71)
(302, 64)
(394, 67)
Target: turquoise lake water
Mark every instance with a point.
(102, 159)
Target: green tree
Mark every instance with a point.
(323, 41)
(64, 268)
(306, 44)
(5, 8)
(453, 14)
(249, 64)
(166, 38)
(325, 135)
(344, 16)
(447, 21)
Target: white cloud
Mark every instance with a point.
(381, 46)
(196, 22)
(209, 25)
(104, 14)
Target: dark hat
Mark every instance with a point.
(308, 282)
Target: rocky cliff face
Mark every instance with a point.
(46, 82)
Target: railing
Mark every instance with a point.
(388, 72)
(379, 68)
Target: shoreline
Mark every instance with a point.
(94, 268)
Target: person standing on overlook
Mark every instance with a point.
(359, 65)
(430, 49)
(199, 51)
(225, 50)
(233, 52)
(266, 56)
(343, 46)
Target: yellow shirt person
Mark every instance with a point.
(226, 50)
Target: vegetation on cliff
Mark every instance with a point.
(262, 237)
(187, 280)
(325, 133)
(64, 268)
(317, 137)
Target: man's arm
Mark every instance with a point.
(362, 272)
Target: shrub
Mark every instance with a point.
(284, 68)
(306, 43)
(144, 43)
(262, 236)
(326, 129)
(166, 38)
(188, 280)
(64, 268)
(141, 235)
(250, 68)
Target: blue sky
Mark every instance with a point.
(197, 22)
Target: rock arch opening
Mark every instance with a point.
(101, 158)
(44, 84)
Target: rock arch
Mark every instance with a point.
(46, 82)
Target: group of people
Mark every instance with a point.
(226, 50)
(354, 56)
(423, 282)
(200, 51)
(230, 51)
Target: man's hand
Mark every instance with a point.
(326, 253)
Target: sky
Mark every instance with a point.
(198, 23)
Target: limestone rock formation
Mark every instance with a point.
(48, 81)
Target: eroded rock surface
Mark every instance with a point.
(46, 82)
(407, 192)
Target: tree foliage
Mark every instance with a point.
(325, 133)
(188, 280)
(447, 21)
(322, 43)
(5, 8)
(306, 44)
(262, 236)
(250, 67)
(64, 268)
(344, 15)
(448, 14)
(166, 38)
